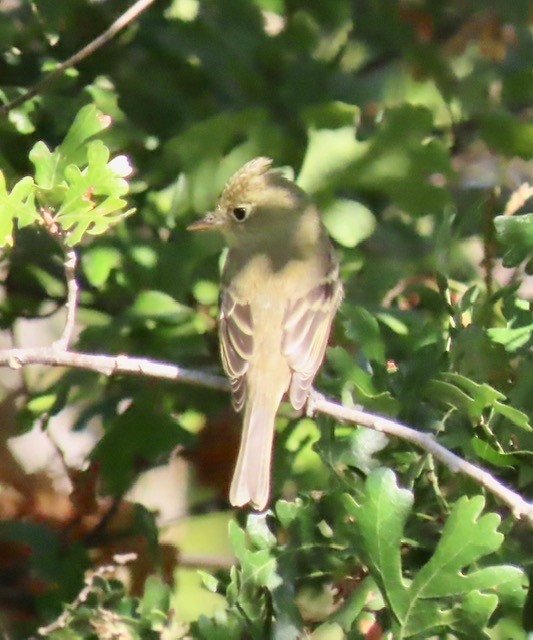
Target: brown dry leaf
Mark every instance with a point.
(485, 28)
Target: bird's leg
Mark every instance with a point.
(312, 400)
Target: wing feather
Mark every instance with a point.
(236, 344)
(306, 327)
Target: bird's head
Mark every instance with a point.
(255, 203)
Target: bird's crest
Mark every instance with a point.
(253, 168)
(253, 171)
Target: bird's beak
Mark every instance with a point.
(207, 222)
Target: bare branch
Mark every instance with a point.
(426, 441)
(71, 305)
(122, 21)
(109, 365)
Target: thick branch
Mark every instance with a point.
(109, 365)
(128, 16)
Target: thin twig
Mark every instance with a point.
(426, 441)
(128, 16)
(71, 305)
(108, 365)
(90, 579)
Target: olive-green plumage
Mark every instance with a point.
(280, 292)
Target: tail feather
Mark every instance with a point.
(251, 479)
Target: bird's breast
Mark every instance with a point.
(269, 279)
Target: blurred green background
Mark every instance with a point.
(410, 124)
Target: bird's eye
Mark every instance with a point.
(240, 213)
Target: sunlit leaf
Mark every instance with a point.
(450, 572)
(516, 234)
(349, 222)
(16, 206)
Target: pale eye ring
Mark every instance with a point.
(240, 213)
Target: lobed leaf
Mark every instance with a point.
(16, 206)
(449, 586)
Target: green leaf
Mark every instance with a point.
(472, 398)
(512, 339)
(98, 262)
(49, 560)
(513, 414)
(363, 328)
(354, 604)
(206, 292)
(237, 538)
(138, 436)
(380, 520)
(18, 205)
(361, 383)
(441, 591)
(93, 201)
(328, 152)
(393, 323)
(473, 615)
(158, 304)
(507, 134)
(209, 581)
(463, 394)
(42, 403)
(88, 122)
(156, 597)
(258, 568)
(485, 451)
(258, 531)
(483, 394)
(46, 165)
(79, 182)
(516, 235)
(349, 222)
(330, 115)
(20, 117)
(287, 511)
(50, 166)
(403, 159)
(357, 449)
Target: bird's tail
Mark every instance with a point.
(251, 479)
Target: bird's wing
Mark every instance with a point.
(236, 344)
(306, 327)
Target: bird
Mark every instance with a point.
(280, 290)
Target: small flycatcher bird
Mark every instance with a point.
(280, 291)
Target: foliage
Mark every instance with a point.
(408, 123)
(418, 606)
(104, 610)
(76, 182)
